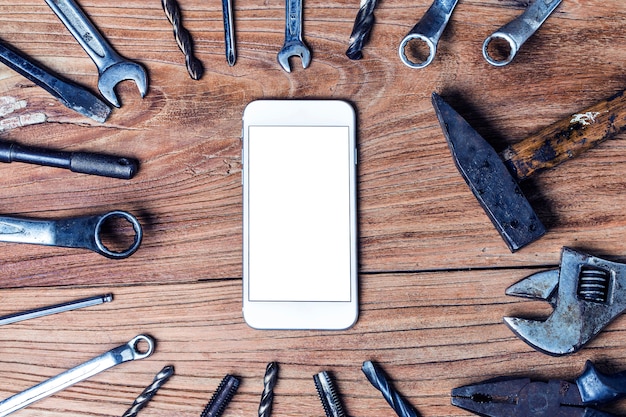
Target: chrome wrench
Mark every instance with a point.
(128, 352)
(428, 30)
(77, 232)
(112, 68)
(517, 31)
(294, 45)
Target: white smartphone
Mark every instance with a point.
(299, 215)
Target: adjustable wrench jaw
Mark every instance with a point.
(587, 293)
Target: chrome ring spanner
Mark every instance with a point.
(428, 30)
(517, 31)
(128, 352)
(112, 68)
(77, 232)
(294, 45)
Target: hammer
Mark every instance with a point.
(493, 177)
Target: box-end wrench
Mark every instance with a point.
(517, 31)
(428, 30)
(128, 352)
(84, 232)
(294, 45)
(112, 68)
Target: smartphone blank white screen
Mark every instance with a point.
(299, 213)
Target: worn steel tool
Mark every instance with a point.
(586, 292)
(494, 178)
(269, 382)
(221, 397)
(71, 95)
(363, 25)
(150, 391)
(112, 68)
(82, 162)
(523, 397)
(329, 396)
(55, 309)
(377, 377)
(124, 353)
(427, 30)
(229, 32)
(183, 38)
(294, 45)
(84, 232)
(517, 31)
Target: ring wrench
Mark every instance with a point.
(112, 68)
(124, 353)
(517, 31)
(78, 232)
(294, 45)
(428, 30)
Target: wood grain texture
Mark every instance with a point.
(433, 268)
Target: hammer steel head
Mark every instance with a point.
(493, 185)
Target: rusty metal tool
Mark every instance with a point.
(586, 292)
(516, 32)
(72, 96)
(82, 162)
(327, 391)
(112, 68)
(124, 353)
(55, 309)
(294, 45)
(428, 30)
(84, 232)
(523, 397)
(494, 178)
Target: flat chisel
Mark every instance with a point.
(71, 95)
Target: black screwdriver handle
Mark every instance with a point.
(597, 388)
(83, 162)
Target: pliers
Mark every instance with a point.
(523, 397)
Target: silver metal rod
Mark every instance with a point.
(54, 309)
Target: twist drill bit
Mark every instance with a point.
(142, 400)
(328, 395)
(379, 380)
(269, 381)
(183, 38)
(362, 28)
(221, 397)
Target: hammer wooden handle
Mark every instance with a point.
(567, 138)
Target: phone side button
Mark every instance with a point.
(242, 166)
(356, 156)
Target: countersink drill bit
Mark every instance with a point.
(379, 380)
(221, 397)
(362, 28)
(328, 395)
(142, 400)
(267, 397)
(183, 38)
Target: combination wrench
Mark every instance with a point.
(294, 45)
(77, 232)
(517, 31)
(112, 68)
(124, 353)
(428, 30)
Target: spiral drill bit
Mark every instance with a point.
(362, 28)
(328, 395)
(183, 38)
(221, 397)
(269, 381)
(379, 380)
(142, 400)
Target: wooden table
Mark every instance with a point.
(433, 269)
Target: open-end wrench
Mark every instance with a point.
(294, 45)
(127, 352)
(517, 31)
(112, 68)
(428, 30)
(76, 232)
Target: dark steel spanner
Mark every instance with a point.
(294, 45)
(78, 232)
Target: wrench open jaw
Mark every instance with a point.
(587, 293)
(118, 72)
(294, 45)
(294, 48)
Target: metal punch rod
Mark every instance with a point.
(57, 308)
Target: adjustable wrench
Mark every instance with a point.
(112, 68)
(127, 352)
(293, 46)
